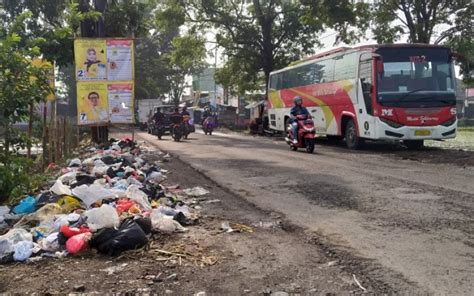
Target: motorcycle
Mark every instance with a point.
(187, 125)
(306, 134)
(208, 125)
(159, 130)
(177, 131)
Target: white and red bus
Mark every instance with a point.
(403, 92)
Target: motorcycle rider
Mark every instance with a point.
(176, 119)
(185, 111)
(205, 114)
(298, 109)
(158, 117)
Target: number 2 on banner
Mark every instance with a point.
(80, 73)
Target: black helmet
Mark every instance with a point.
(297, 99)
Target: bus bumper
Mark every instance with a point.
(437, 132)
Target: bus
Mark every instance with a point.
(398, 92)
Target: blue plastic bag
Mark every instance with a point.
(26, 206)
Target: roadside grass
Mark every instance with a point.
(464, 140)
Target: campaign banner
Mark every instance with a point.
(90, 59)
(120, 102)
(119, 60)
(92, 103)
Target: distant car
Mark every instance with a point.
(166, 110)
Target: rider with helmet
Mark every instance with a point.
(298, 109)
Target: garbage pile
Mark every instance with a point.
(111, 201)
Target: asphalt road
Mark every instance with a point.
(413, 218)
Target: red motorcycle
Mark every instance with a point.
(306, 134)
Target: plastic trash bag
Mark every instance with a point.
(9, 240)
(76, 162)
(72, 231)
(46, 212)
(100, 170)
(22, 250)
(78, 243)
(91, 194)
(134, 193)
(82, 179)
(104, 217)
(6, 251)
(26, 206)
(60, 189)
(196, 191)
(123, 205)
(113, 242)
(163, 223)
(155, 177)
(68, 178)
(50, 243)
(68, 203)
(4, 210)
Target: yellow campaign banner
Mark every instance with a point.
(90, 59)
(92, 103)
(42, 63)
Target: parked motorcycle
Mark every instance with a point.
(208, 125)
(177, 132)
(306, 134)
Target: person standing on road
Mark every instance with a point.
(298, 109)
(158, 117)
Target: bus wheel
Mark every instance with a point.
(414, 144)
(352, 140)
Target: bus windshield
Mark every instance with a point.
(416, 77)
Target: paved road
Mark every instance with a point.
(416, 219)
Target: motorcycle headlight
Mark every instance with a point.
(309, 129)
(390, 122)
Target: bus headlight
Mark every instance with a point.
(449, 122)
(390, 122)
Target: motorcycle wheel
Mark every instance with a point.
(310, 145)
(210, 133)
(293, 147)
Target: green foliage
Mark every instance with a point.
(21, 85)
(263, 35)
(186, 57)
(440, 22)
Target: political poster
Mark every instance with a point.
(119, 60)
(92, 103)
(120, 102)
(90, 59)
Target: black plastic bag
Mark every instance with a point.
(144, 223)
(83, 180)
(113, 242)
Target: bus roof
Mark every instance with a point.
(345, 49)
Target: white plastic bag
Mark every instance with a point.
(163, 223)
(196, 191)
(67, 178)
(50, 243)
(75, 162)
(156, 177)
(140, 197)
(60, 189)
(22, 251)
(104, 217)
(91, 194)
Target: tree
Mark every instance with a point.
(447, 22)
(186, 57)
(264, 35)
(21, 85)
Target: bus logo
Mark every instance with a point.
(387, 112)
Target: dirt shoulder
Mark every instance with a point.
(275, 256)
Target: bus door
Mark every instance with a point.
(365, 94)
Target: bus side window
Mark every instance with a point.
(365, 75)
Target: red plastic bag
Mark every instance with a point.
(72, 231)
(78, 243)
(124, 205)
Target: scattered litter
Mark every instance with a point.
(358, 283)
(268, 224)
(235, 227)
(332, 263)
(196, 191)
(111, 200)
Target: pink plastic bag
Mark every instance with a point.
(78, 243)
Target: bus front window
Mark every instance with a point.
(415, 75)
